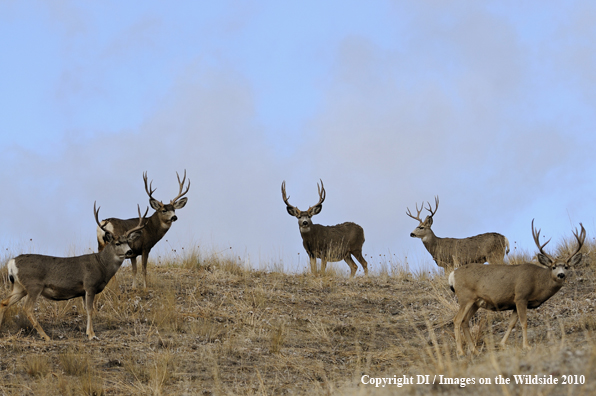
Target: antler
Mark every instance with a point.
(580, 239)
(141, 221)
(432, 213)
(96, 213)
(322, 195)
(180, 193)
(148, 189)
(417, 215)
(284, 197)
(536, 236)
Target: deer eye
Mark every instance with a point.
(421, 227)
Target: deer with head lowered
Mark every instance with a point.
(509, 287)
(328, 243)
(64, 278)
(490, 247)
(156, 226)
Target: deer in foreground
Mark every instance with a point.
(64, 278)
(156, 226)
(509, 287)
(328, 243)
(490, 247)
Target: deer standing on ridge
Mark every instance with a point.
(64, 278)
(490, 247)
(328, 243)
(156, 226)
(509, 287)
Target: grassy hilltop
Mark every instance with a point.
(209, 326)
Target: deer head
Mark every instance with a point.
(423, 230)
(122, 242)
(304, 217)
(167, 212)
(559, 266)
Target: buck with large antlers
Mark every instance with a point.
(509, 287)
(156, 226)
(490, 247)
(64, 278)
(328, 243)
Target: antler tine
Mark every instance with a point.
(180, 193)
(580, 239)
(432, 213)
(96, 213)
(322, 192)
(536, 236)
(148, 189)
(141, 221)
(417, 210)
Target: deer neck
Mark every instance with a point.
(155, 229)
(109, 262)
(430, 241)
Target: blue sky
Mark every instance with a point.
(489, 105)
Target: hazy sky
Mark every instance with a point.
(489, 105)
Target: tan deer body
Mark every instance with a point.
(328, 243)
(508, 287)
(490, 247)
(156, 226)
(64, 278)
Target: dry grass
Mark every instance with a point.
(210, 326)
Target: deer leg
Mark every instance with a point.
(362, 261)
(133, 263)
(352, 264)
(523, 319)
(512, 322)
(457, 325)
(145, 258)
(313, 265)
(466, 328)
(323, 266)
(15, 296)
(28, 308)
(90, 312)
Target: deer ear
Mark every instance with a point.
(293, 211)
(179, 204)
(575, 260)
(316, 210)
(108, 237)
(134, 236)
(155, 204)
(428, 221)
(544, 260)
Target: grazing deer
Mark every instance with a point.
(156, 226)
(64, 278)
(453, 252)
(509, 287)
(329, 243)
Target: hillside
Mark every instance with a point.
(208, 326)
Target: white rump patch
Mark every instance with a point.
(100, 233)
(12, 268)
(452, 279)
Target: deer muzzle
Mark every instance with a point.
(173, 219)
(412, 235)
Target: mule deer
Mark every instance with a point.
(329, 243)
(509, 287)
(453, 252)
(64, 278)
(156, 226)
